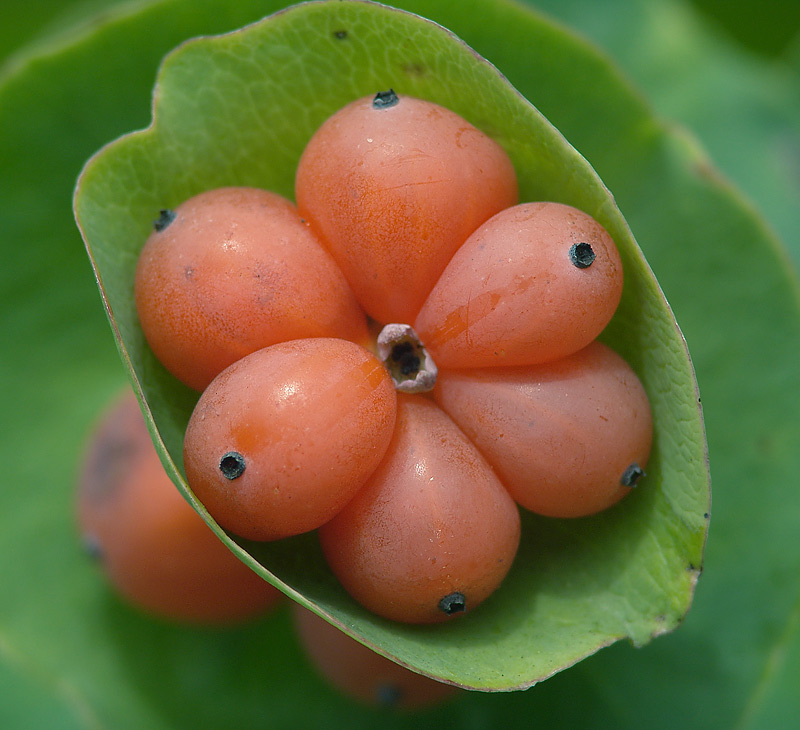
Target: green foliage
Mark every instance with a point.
(576, 585)
(775, 29)
(72, 656)
(745, 109)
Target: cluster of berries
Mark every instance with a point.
(161, 557)
(398, 361)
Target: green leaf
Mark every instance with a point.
(238, 110)
(733, 663)
(744, 109)
(37, 702)
(769, 32)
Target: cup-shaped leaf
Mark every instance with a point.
(238, 109)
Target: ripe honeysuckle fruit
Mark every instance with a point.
(575, 585)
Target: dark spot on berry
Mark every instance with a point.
(165, 217)
(385, 99)
(453, 603)
(111, 459)
(92, 547)
(631, 476)
(581, 255)
(388, 695)
(232, 465)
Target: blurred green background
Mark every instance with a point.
(71, 656)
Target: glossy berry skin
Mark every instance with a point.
(394, 191)
(310, 419)
(155, 549)
(433, 532)
(359, 672)
(514, 294)
(560, 435)
(235, 271)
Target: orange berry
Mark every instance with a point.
(155, 549)
(567, 439)
(231, 271)
(537, 282)
(433, 532)
(359, 672)
(394, 185)
(282, 439)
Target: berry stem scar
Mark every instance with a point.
(453, 603)
(165, 217)
(408, 362)
(632, 475)
(582, 255)
(232, 465)
(385, 99)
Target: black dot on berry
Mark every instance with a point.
(92, 547)
(232, 465)
(165, 217)
(388, 694)
(582, 255)
(385, 99)
(453, 603)
(632, 475)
